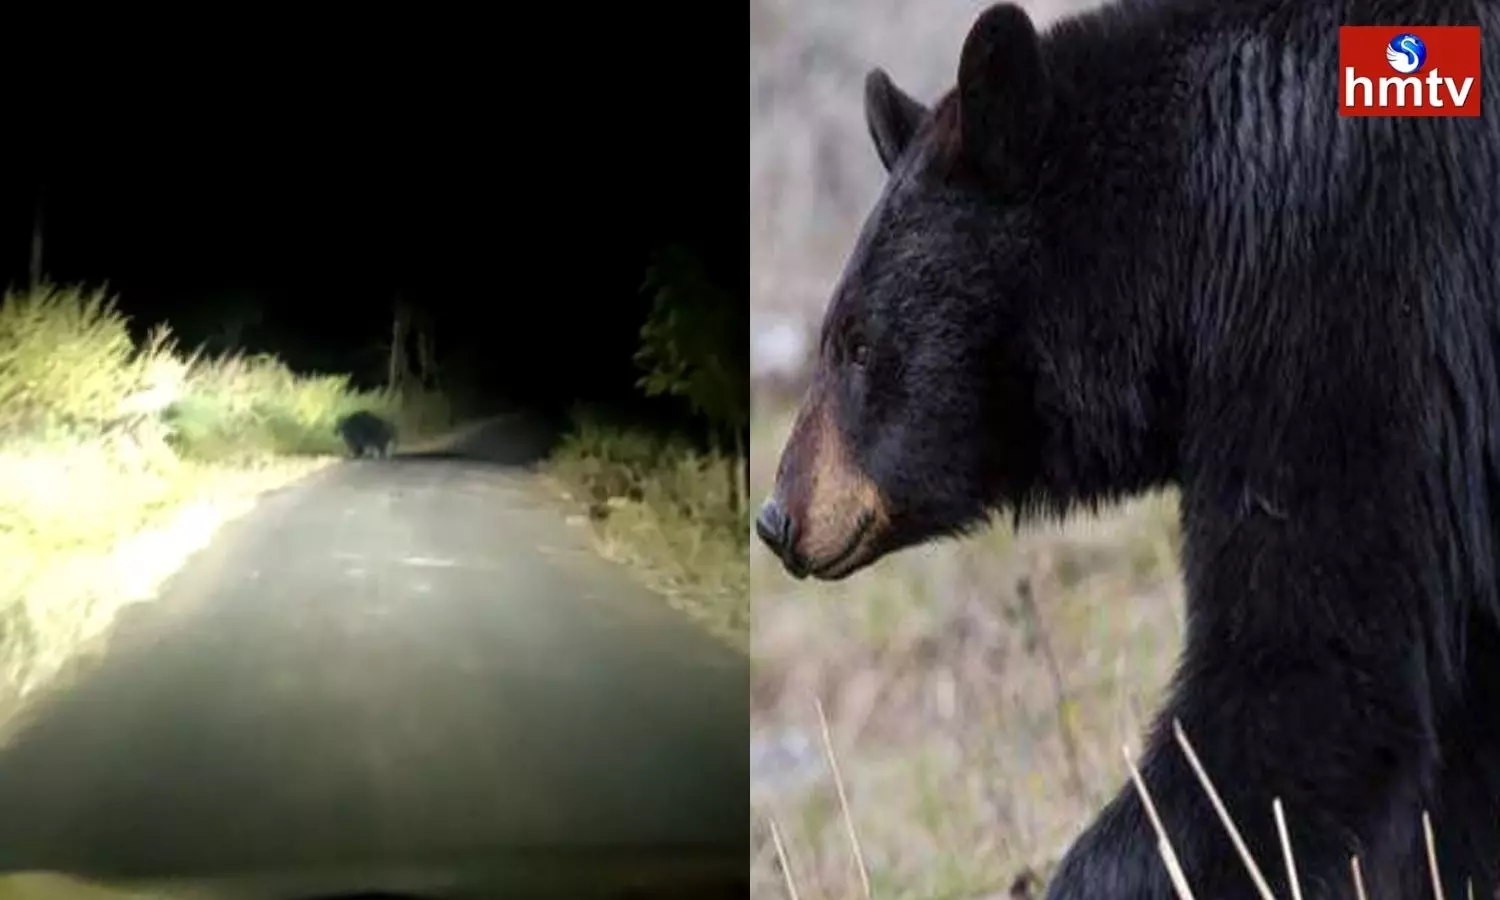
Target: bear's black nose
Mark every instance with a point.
(774, 527)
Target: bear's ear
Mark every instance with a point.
(1004, 97)
(891, 115)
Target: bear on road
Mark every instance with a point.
(1144, 249)
(366, 434)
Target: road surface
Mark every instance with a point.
(402, 669)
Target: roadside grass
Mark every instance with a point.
(42, 885)
(664, 510)
(119, 459)
(977, 695)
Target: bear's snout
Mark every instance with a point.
(826, 517)
(777, 531)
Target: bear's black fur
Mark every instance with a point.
(1144, 249)
(366, 434)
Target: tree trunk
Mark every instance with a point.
(396, 372)
(739, 472)
(36, 242)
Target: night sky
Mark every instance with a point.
(510, 182)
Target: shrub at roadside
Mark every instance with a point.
(673, 513)
(666, 510)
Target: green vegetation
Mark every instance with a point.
(119, 458)
(693, 346)
(674, 513)
(668, 512)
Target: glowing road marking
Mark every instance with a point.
(429, 562)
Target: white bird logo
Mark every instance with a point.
(1404, 54)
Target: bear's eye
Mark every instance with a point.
(859, 352)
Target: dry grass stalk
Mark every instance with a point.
(1213, 796)
(838, 783)
(1359, 881)
(1163, 844)
(783, 860)
(1286, 849)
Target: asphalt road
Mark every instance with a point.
(400, 669)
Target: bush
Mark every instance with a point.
(666, 510)
(67, 362)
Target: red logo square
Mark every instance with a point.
(1414, 70)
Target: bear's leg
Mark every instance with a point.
(1466, 820)
(1319, 665)
(1344, 742)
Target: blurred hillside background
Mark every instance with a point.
(978, 693)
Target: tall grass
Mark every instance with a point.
(118, 459)
(976, 694)
(1030, 884)
(667, 511)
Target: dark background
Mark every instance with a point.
(509, 181)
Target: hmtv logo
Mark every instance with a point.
(1409, 71)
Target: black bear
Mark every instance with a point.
(1144, 249)
(366, 434)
